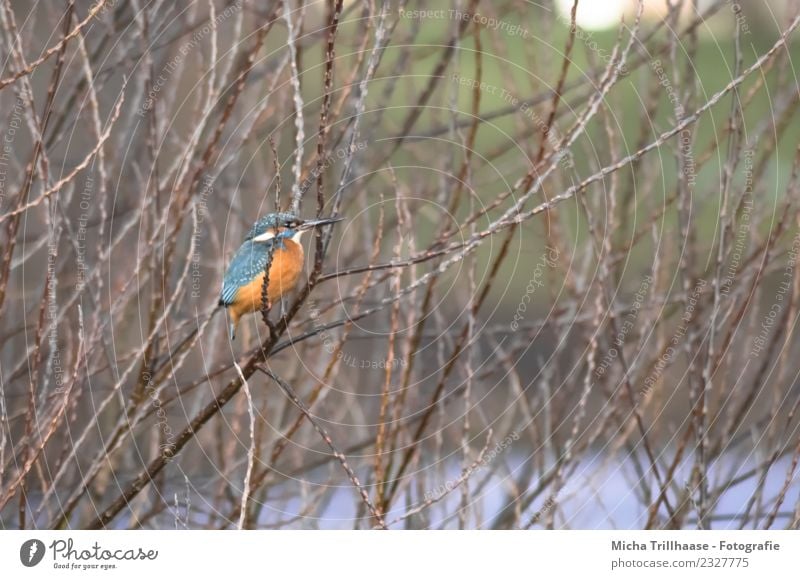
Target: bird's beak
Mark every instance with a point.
(311, 224)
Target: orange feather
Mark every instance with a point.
(284, 272)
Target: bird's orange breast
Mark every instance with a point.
(287, 265)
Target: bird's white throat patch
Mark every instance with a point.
(271, 235)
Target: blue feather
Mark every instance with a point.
(251, 258)
(248, 263)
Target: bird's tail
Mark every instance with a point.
(233, 331)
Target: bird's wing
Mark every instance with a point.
(247, 263)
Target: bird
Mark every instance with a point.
(276, 235)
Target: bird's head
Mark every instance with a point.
(282, 226)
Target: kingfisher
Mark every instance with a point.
(276, 235)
